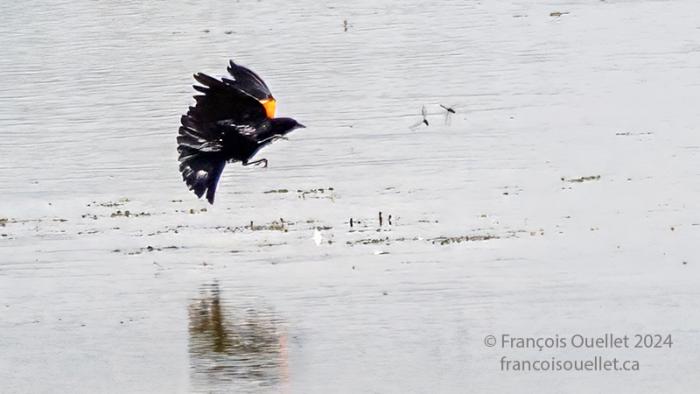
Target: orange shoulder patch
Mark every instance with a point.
(269, 104)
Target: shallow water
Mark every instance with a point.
(561, 197)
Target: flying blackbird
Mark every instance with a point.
(231, 121)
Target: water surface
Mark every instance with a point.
(561, 197)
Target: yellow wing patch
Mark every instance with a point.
(269, 104)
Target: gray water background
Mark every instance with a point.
(176, 299)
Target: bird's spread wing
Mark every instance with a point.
(248, 81)
(251, 83)
(250, 132)
(219, 110)
(222, 112)
(221, 101)
(245, 129)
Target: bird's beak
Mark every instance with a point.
(300, 126)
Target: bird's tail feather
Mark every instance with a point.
(201, 171)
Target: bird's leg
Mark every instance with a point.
(256, 162)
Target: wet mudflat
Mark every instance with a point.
(560, 197)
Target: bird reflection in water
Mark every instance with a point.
(231, 348)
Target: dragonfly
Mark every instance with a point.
(424, 120)
(448, 110)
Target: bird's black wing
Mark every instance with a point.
(252, 132)
(247, 81)
(204, 128)
(222, 101)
